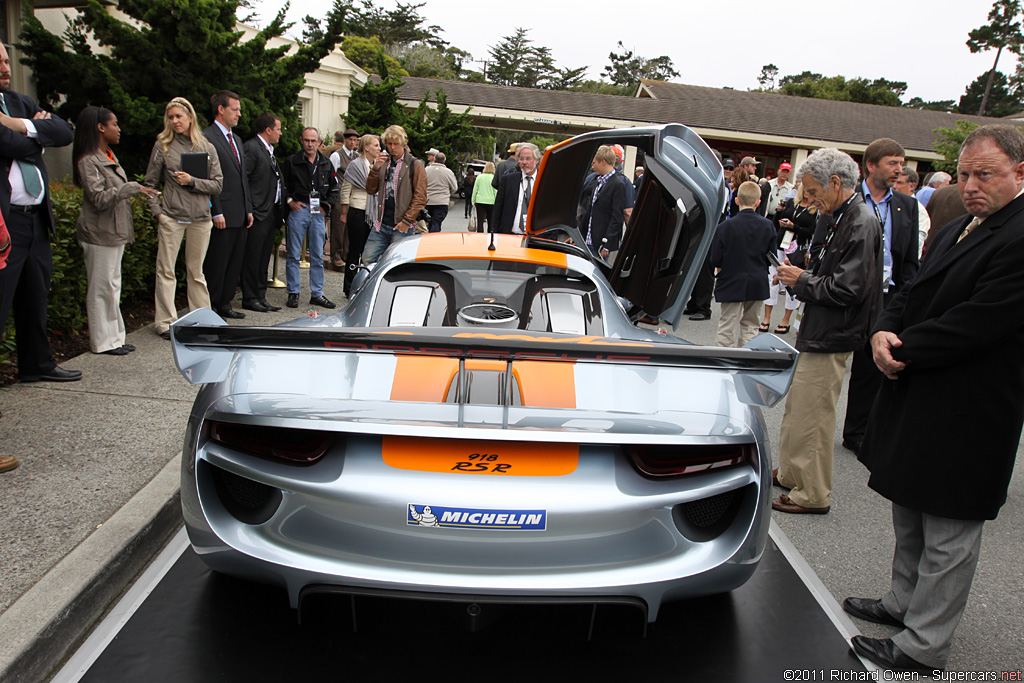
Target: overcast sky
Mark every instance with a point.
(725, 43)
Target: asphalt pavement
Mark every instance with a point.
(96, 497)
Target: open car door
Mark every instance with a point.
(674, 215)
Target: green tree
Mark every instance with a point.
(936, 105)
(400, 26)
(374, 106)
(424, 61)
(365, 52)
(627, 69)
(769, 73)
(168, 48)
(1002, 101)
(809, 84)
(603, 88)
(1002, 31)
(948, 145)
(439, 127)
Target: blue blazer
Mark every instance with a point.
(739, 248)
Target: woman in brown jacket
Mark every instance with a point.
(104, 226)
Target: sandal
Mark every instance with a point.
(763, 327)
(781, 329)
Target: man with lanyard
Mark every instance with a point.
(897, 213)
(842, 295)
(311, 189)
(602, 213)
(512, 202)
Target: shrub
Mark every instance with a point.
(66, 313)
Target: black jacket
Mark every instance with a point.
(844, 295)
(263, 173)
(905, 237)
(297, 181)
(603, 215)
(233, 202)
(943, 437)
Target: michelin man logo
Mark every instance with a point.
(425, 518)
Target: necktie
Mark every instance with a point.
(970, 226)
(234, 150)
(29, 172)
(525, 205)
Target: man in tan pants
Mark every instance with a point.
(842, 291)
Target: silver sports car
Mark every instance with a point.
(485, 420)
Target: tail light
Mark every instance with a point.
(304, 446)
(675, 460)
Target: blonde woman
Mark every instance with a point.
(182, 210)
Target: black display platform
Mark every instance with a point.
(199, 626)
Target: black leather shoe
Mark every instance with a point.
(689, 311)
(870, 610)
(57, 374)
(884, 653)
(119, 351)
(293, 301)
(322, 301)
(700, 316)
(230, 313)
(269, 306)
(254, 306)
(166, 334)
(129, 347)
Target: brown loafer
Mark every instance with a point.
(784, 504)
(8, 463)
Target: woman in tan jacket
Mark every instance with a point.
(183, 210)
(104, 226)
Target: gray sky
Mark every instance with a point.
(724, 44)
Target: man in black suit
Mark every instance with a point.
(898, 214)
(514, 191)
(949, 345)
(603, 200)
(231, 209)
(25, 130)
(267, 192)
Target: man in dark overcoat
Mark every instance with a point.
(949, 345)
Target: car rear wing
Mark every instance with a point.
(204, 346)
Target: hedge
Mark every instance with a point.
(67, 313)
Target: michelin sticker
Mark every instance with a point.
(476, 518)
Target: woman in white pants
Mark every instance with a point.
(104, 226)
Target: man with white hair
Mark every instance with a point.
(514, 191)
(441, 185)
(842, 291)
(937, 180)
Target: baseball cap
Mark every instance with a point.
(785, 166)
(748, 160)
(728, 163)
(619, 153)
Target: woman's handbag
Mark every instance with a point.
(472, 220)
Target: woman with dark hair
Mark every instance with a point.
(183, 210)
(104, 226)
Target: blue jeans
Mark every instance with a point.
(377, 242)
(301, 224)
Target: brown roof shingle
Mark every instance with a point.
(716, 109)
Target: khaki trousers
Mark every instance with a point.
(807, 438)
(738, 318)
(197, 239)
(103, 296)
